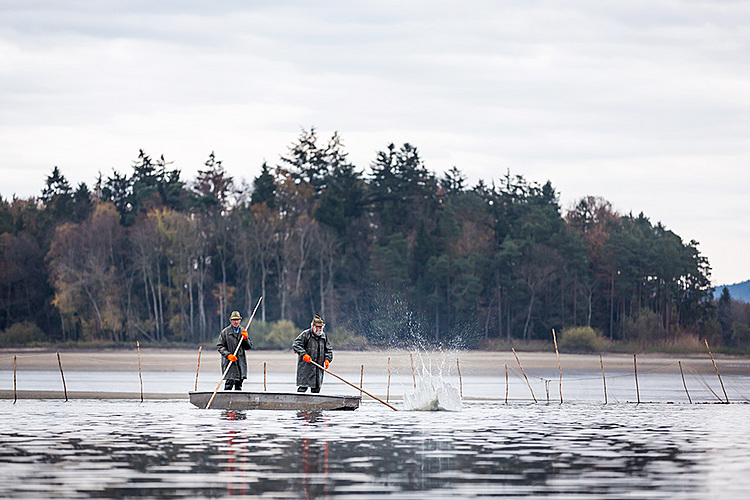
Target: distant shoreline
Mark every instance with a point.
(472, 363)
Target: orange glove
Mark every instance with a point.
(306, 358)
(326, 363)
(244, 334)
(232, 357)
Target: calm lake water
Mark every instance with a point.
(170, 449)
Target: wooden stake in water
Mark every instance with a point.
(264, 376)
(604, 379)
(65, 389)
(460, 381)
(140, 377)
(524, 375)
(361, 378)
(635, 368)
(717, 371)
(199, 367)
(506, 383)
(388, 387)
(413, 376)
(559, 367)
(15, 392)
(683, 382)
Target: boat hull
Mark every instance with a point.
(239, 400)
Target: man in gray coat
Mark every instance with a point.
(312, 345)
(227, 343)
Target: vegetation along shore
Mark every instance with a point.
(390, 254)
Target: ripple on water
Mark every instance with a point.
(171, 449)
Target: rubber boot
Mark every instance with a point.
(301, 389)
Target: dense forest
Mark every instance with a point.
(390, 255)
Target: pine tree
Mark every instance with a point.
(264, 188)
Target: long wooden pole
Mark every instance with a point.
(229, 365)
(349, 383)
(460, 381)
(15, 390)
(413, 376)
(140, 377)
(524, 375)
(65, 389)
(604, 379)
(717, 371)
(388, 386)
(559, 366)
(683, 382)
(506, 383)
(635, 369)
(199, 367)
(264, 376)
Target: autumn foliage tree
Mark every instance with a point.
(390, 251)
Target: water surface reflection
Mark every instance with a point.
(170, 449)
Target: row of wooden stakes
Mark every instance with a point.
(559, 366)
(388, 386)
(62, 374)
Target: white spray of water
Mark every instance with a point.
(432, 393)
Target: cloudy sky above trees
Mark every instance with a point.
(644, 103)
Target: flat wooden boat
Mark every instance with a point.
(240, 400)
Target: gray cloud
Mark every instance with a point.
(644, 103)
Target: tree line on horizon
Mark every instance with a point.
(395, 255)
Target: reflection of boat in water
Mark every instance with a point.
(239, 400)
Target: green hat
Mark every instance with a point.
(318, 321)
(235, 315)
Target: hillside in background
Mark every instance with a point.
(738, 291)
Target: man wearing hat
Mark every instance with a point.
(312, 345)
(227, 343)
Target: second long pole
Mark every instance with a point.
(349, 383)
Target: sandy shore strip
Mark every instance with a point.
(472, 363)
(59, 394)
(348, 364)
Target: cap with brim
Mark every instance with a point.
(235, 315)
(318, 321)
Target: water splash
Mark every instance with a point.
(431, 392)
(433, 395)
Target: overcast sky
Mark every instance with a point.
(644, 103)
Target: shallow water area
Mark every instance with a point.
(170, 449)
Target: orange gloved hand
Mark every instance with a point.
(244, 334)
(326, 363)
(232, 357)
(306, 358)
